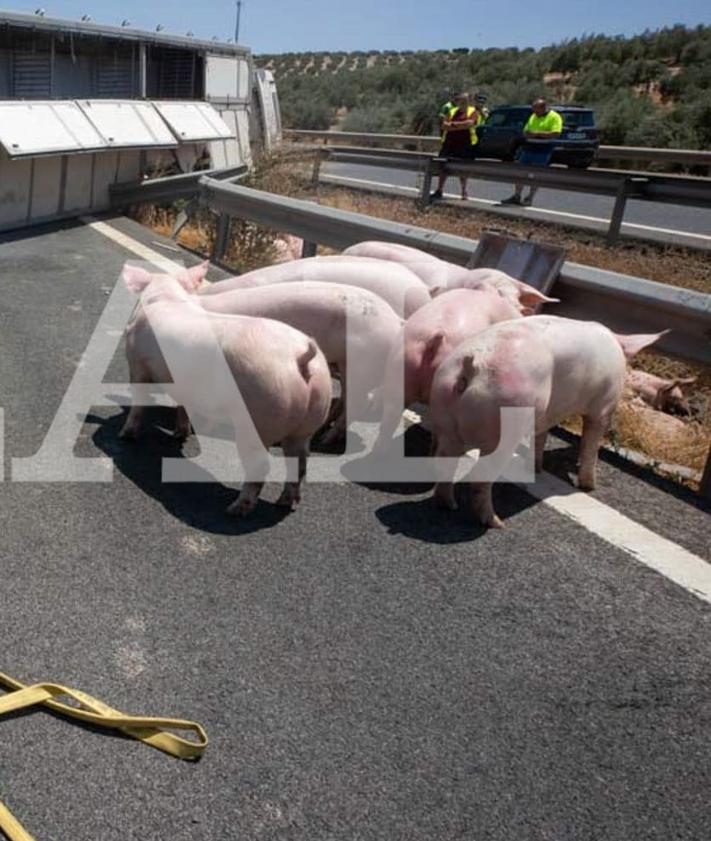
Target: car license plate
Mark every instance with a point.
(576, 135)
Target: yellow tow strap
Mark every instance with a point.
(151, 731)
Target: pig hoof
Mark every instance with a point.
(242, 507)
(446, 502)
(289, 499)
(333, 436)
(586, 483)
(494, 523)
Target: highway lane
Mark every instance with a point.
(575, 206)
(365, 668)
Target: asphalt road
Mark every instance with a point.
(576, 206)
(366, 668)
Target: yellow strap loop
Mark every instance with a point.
(150, 730)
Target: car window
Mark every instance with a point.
(578, 118)
(497, 118)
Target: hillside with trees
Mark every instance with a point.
(653, 89)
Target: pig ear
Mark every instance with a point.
(190, 279)
(135, 278)
(635, 343)
(670, 385)
(530, 297)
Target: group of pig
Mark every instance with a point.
(467, 343)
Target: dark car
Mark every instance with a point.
(502, 134)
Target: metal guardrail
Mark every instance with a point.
(170, 187)
(618, 184)
(431, 142)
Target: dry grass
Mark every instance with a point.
(252, 247)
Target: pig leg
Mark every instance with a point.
(540, 447)
(256, 464)
(444, 490)
(298, 447)
(482, 504)
(593, 430)
(132, 425)
(182, 424)
(338, 403)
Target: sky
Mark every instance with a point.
(277, 26)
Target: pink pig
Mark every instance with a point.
(440, 275)
(557, 366)
(661, 394)
(393, 283)
(426, 339)
(281, 374)
(350, 325)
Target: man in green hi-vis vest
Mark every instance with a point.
(543, 124)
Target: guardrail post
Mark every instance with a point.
(705, 486)
(618, 211)
(222, 236)
(316, 172)
(424, 198)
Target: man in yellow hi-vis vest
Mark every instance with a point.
(543, 124)
(459, 138)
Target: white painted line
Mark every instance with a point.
(523, 211)
(677, 564)
(132, 245)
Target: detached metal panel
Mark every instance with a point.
(38, 128)
(193, 121)
(268, 106)
(129, 123)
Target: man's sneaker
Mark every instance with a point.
(527, 202)
(436, 196)
(515, 199)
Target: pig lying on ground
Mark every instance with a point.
(281, 374)
(393, 283)
(440, 275)
(287, 247)
(427, 337)
(557, 366)
(661, 394)
(325, 311)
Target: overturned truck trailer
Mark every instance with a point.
(84, 106)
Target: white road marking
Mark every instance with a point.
(132, 245)
(672, 561)
(541, 211)
(656, 552)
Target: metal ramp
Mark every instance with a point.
(535, 263)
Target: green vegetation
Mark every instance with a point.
(650, 90)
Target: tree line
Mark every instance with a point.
(652, 89)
